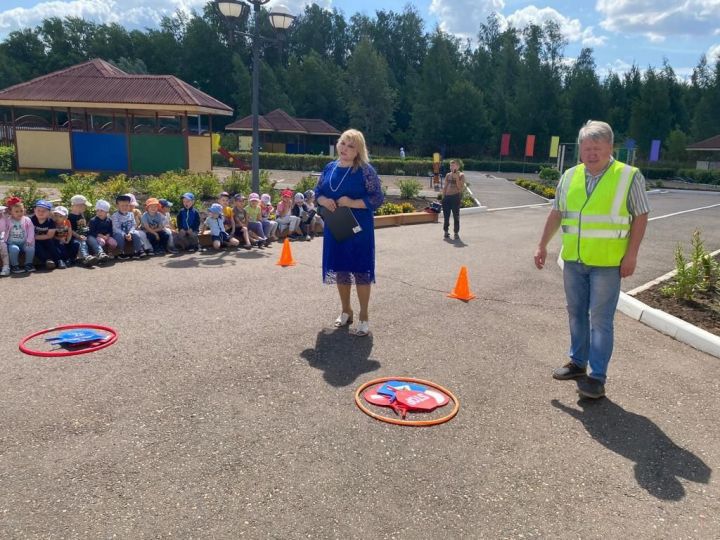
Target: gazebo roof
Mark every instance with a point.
(708, 145)
(97, 84)
(281, 122)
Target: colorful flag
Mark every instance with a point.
(530, 146)
(655, 150)
(554, 146)
(505, 145)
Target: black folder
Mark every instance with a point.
(341, 222)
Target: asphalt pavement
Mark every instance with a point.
(225, 409)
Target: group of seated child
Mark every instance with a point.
(55, 237)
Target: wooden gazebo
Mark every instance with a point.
(282, 133)
(95, 117)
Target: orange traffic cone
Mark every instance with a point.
(462, 287)
(286, 258)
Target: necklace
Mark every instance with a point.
(334, 189)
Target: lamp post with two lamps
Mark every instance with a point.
(280, 19)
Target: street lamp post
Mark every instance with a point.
(280, 19)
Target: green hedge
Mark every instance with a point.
(400, 167)
(7, 159)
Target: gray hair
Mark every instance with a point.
(596, 130)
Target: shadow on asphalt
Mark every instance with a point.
(659, 462)
(342, 356)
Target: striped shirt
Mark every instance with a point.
(637, 201)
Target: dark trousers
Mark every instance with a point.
(451, 203)
(158, 244)
(45, 250)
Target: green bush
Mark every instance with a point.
(388, 209)
(7, 158)
(700, 274)
(549, 174)
(467, 201)
(307, 182)
(536, 187)
(241, 182)
(203, 185)
(114, 186)
(79, 184)
(409, 188)
(409, 167)
(28, 192)
(407, 207)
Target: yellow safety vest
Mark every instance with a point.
(596, 229)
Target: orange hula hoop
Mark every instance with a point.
(400, 421)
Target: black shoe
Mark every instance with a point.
(569, 371)
(446, 235)
(61, 265)
(123, 257)
(457, 236)
(16, 269)
(29, 268)
(591, 388)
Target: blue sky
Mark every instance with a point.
(621, 32)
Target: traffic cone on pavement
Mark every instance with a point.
(286, 258)
(462, 287)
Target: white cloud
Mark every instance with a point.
(464, 17)
(713, 54)
(129, 13)
(658, 19)
(571, 28)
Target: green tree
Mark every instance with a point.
(583, 92)
(650, 116)
(675, 146)
(371, 101)
(316, 89)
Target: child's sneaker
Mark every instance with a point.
(29, 268)
(191, 250)
(61, 265)
(142, 254)
(50, 265)
(15, 269)
(103, 257)
(5, 271)
(89, 260)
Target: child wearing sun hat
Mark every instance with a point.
(188, 223)
(215, 222)
(100, 238)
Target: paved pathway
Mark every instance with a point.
(226, 407)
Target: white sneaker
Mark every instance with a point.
(5, 271)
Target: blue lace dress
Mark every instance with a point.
(352, 260)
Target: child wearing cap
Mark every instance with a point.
(188, 223)
(137, 215)
(154, 224)
(317, 224)
(215, 222)
(45, 251)
(240, 218)
(301, 210)
(4, 257)
(268, 222)
(164, 209)
(254, 216)
(124, 228)
(63, 237)
(80, 229)
(100, 237)
(285, 218)
(19, 235)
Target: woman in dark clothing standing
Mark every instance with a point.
(452, 195)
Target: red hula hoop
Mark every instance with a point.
(58, 354)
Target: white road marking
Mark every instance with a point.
(683, 212)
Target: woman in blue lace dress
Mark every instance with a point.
(351, 181)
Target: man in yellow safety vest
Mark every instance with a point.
(602, 208)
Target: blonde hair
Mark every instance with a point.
(356, 138)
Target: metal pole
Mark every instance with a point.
(255, 101)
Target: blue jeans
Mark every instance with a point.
(14, 251)
(592, 294)
(136, 241)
